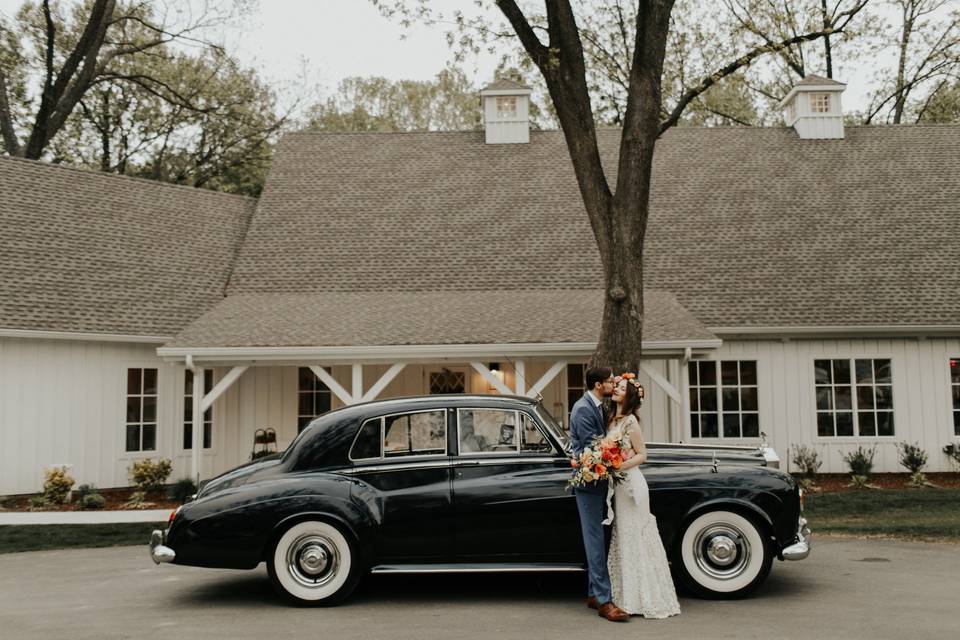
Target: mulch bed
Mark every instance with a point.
(832, 482)
(116, 499)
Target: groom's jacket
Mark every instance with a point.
(586, 422)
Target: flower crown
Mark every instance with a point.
(631, 378)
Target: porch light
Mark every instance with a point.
(496, 372)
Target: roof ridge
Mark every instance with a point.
(117, 176)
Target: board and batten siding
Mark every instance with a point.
(922, 403)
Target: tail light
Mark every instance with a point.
(173, 514)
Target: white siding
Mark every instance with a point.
(63, 402)
(787, 403)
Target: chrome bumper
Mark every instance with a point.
(801, 548)
(158, 552)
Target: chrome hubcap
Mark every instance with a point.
(722, 551)
(313, 560)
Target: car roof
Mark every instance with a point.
(453, 399)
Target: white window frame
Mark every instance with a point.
(183, 419)
(508, 113)
(954, 409)
(139, 453)
(820, 103)
(718, 368)
(854, 406)
(312, 391)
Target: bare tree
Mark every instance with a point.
(927, 44)
(618, 212)
(76, 56)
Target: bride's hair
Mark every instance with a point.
(631, 400)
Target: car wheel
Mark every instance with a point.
(722, 554)
(313, 562)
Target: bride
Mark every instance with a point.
(639, 574)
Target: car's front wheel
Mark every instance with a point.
(722, 554)
(314, 562)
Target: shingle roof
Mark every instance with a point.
(748, 226)
(504, 84)
(84, 251)
(425, 317)
(818, 80)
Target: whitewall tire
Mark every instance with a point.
(313, 562)
(722, 554)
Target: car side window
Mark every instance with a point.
(493, 431)
(415, 434)
(533, 440)
(367, 444)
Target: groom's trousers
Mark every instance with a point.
(592, 507)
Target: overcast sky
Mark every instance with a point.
(323, 41)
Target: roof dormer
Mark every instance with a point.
(813, 108)
(506, 112)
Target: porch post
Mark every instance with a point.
(357, 382)
(520, 372)
(197, 423)
(685, 393)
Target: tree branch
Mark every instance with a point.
(10, 142)
(528, 38)
(748, 58)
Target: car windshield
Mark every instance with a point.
(555, 430)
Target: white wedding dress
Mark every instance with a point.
(639, 574)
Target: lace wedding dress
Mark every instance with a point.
(639, 574)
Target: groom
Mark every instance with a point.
(587, 421)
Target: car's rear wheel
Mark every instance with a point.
(314, 562)
(722, 554)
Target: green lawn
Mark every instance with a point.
(905, 513)
(14, 538)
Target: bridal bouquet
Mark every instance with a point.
(600, 461)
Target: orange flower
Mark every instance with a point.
(599, 469)
(616, 462)
(574, 463)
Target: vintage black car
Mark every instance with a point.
(470, 483)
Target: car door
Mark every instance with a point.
(510, 501)
(402, 461)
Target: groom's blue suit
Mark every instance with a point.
(586, 421)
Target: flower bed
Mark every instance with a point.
(116, 500)
(832, 482)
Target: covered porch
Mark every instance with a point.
(264, 379)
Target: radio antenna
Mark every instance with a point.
(520, 375)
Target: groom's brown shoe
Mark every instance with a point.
(592, 602)
(612, 612)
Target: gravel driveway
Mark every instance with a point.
(846, 589)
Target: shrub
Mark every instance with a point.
(37, 503)
(83, 491)
(953, 452)
(914, 459)
(860, 463)
(138, 500)
(57, 485)
(182, 489)
(148, 475)
(807, 461)
(93, 501)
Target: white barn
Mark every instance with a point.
(801, 282)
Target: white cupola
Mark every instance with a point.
(813, 108)
(506, 112)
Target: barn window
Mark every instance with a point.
(955, 392)
(723, 399)
(313, 397)
(854, 397)
(141, 422)
(188, 410)
(820, 102)
(506, 107)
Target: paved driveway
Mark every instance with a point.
(846, 589)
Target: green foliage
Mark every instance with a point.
(182, 489)
(148, 475)
(912, 457)
(84, 490)
(446, 103)
(56, 485)
(806, 460)
(93, 501)
(953, 453)
(860, 462)
(37, 503)
(138, 500)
